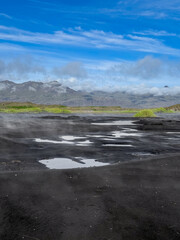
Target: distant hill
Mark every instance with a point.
(55, 93)
(174, 107)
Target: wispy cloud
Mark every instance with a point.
(161, 4)
(156, 33)
(5, 15)
(6, 47)
(130, 8)
(153, 14)
(88, 39)
(160, 9)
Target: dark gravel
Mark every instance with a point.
(136, 198)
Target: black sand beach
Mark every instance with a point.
(137, 196)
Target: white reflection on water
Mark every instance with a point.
(71, 138)
(115, 123)
(84, 143)
(67, 163)
(119, 134)
(39, 140)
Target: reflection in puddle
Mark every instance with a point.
(96, 136)
(39, 140)
(71, 138)
(114, 123)
(66, 163)
(111, 137)
(118, 134)
(84, 143)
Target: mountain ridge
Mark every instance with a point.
(55, 93)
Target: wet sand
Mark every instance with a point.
(137, 197)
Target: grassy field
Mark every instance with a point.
(27, 107)
(12, 107)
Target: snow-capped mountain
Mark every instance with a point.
(55, 93)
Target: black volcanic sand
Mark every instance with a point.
(19, 151)
(138, 197)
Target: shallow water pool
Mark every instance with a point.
(67, 163)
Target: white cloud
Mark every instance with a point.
(160, 9)
(71, 69)
(6, 47)
(5, 15)
(155, 91)
(21, 68)
(89, 39)
(148, 75)
(156, 33)
(146, 69)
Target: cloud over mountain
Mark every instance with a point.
(71, 69)
(21, 68)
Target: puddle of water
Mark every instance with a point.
(96, 136)
(67, 163)
(71, 138)
(117, 145)
(84, 143)
(39, 140)
(118, 134)
(115, 123)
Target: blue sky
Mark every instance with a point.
(130, 45)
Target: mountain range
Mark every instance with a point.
(55, 93)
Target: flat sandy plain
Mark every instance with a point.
(136, 195)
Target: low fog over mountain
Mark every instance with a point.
(55, 93)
